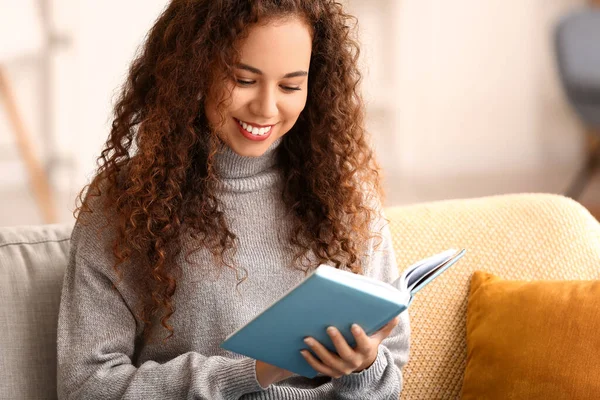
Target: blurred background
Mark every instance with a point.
(464, 98)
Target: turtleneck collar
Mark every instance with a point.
(242, 173)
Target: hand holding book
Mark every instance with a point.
(344, 361)
(331, 297)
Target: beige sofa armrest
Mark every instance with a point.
(32, 264)
(527, 236)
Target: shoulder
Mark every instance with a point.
(95, 229)
(373, 200)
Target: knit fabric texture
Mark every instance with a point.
(100, 356)
(522, 237)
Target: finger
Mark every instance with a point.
(363, 342)
(326, 357)
(319, 366)
(342, 347)
(393, 323)
(386, 330)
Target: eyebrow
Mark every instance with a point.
(259, 72)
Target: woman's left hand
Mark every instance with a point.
(348, 359)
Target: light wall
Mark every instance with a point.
(99, 40)
(471, 86)
(454, 88)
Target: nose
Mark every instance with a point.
(265, 104)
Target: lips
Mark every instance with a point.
(254, 133)
(255, 129)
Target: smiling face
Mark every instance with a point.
(269, 89)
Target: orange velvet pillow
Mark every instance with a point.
(532, 340)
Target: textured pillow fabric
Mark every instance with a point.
(517, 236)
(532, 339)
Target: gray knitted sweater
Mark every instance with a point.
(99, 352)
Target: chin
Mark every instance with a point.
(251, 150)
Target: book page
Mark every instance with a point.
(432, 263)
(418, 282)
(420, 268)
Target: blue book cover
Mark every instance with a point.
(330, 296)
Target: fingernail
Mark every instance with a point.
(355, 328)
(331, 330)
(308, 341)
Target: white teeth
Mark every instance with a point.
(254, 130)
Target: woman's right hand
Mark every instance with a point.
(266, 374)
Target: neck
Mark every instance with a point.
(247, 173)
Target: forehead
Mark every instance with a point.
(277, 46)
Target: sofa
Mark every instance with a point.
(519, 236)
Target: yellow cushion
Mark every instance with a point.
(532, 340)
(520, 236)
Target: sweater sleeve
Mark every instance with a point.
(383, 379)
(96, 336)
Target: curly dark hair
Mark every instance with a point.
(156, 175)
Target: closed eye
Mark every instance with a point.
(243, 82)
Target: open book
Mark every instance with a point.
(329, 296)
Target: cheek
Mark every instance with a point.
(294, 107)
(239, 100)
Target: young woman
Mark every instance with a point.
(237, 162)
